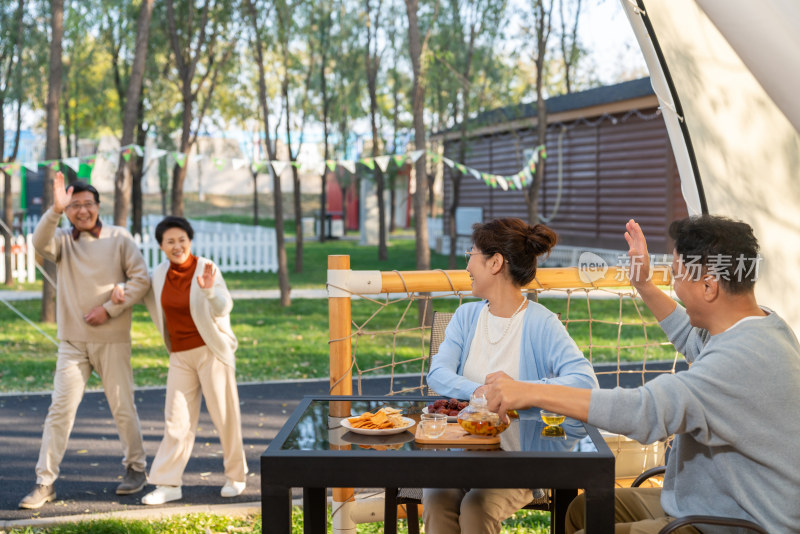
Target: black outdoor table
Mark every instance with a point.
(302, 456)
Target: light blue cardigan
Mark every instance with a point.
(547, 354)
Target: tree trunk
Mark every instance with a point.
(138, 171)
(254, 174)
(420, 204)
(123, 179)
(51, 150)
(283, 268)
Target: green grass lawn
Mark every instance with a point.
(523, 522)
(292, 343)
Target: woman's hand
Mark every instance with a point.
(118, 294)
(206, 279)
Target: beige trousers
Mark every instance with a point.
(636, 511)
(192, 372)
(478, 511)
(112, 362)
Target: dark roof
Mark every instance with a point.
(584, 99)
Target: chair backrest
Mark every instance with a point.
(439, 323)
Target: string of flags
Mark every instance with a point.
(517, 181)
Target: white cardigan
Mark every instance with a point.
(210, 310)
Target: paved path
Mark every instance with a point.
(91, 468)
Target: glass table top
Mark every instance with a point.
(316, 430)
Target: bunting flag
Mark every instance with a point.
(517, 181)
(238, 163)
(383, 162)
(8, 168)
(415, 155)
(279, 166)
(72, 163)
(180, 158)
(503, 183)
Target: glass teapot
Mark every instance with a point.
(478, 420)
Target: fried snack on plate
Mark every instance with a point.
(386, 417)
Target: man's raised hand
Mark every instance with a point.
(639, 272)
(61, 197)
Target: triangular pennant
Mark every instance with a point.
(279, 166)
(90, 161)
(238, 163)
(383, 162)
(399, 160)
(73, 163)
(368, 163)
(502, 182)
(350, 165)
(8, 168)
(516, 180)
(331, 164)
(461, 167)
(415, 155)
(126, 154)
(156, 153)
(52, 164)
(180, 158)
(474, 172)
(220, 163)
(447, 161)
(138, 150)
(32, 166)
(258, 166)
(492, 181)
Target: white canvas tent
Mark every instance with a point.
(726, 74)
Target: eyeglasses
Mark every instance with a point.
(78, 205)
(469, 253)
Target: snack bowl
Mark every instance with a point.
(551, 418)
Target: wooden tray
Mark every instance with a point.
(455, 435)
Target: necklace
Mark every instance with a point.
(508, 324)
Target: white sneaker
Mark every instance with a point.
(163, 494)
(232, 488)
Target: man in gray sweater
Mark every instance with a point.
(94, 333)
(733, 413)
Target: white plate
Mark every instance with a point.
(450, 418)
(407, 423)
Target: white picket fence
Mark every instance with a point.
(23, 262)
(233, 247)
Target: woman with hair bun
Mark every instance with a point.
(503, 332)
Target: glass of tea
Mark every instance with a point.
(551, 418)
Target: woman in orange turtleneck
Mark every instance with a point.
(191, 306)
